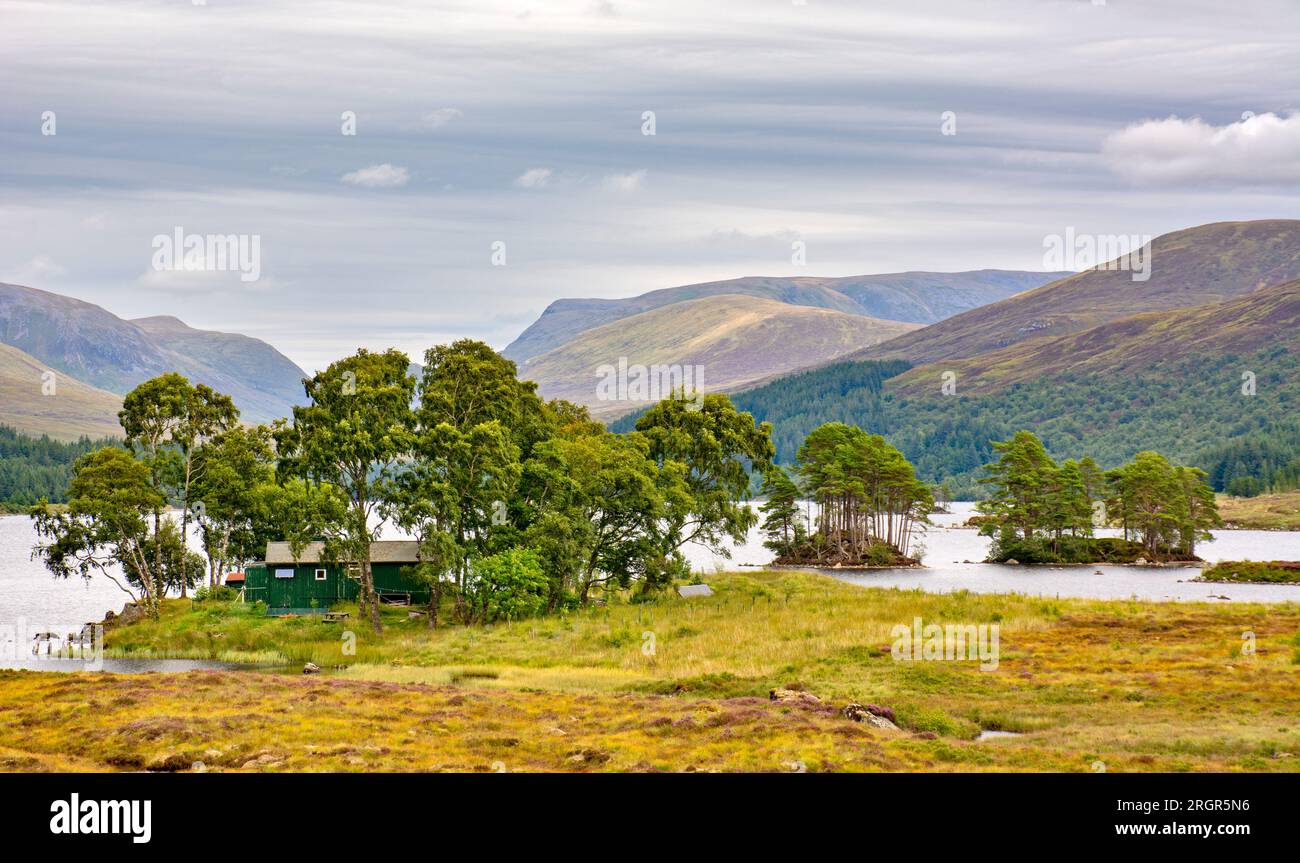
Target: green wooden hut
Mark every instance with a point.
(307, 584)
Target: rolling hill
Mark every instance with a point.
(1269, 317)
(105, 352)
(1192, 267)
(738, 340)
(915, 297)
(71, 410)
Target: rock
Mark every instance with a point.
(791, 696)
(311, 668)
(169, 763)
(131, 612)
(1012, 562)
(588, 756)
(870, 714)
(1098, 572)
(1141, 561)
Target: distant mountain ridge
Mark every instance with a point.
(735, 340)
(1191, 267)
(911, 297)
(1269, 317)
(91, 345)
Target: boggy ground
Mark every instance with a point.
(682, 685)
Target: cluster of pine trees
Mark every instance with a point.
(868, 500)
(1039, 511)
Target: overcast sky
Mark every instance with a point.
(522, 123)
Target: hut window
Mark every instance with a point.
(284, 573)
(320, 575)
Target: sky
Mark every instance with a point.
(417, 172)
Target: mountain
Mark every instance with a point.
(1214, 385)
(98, 348)
(1269, 317)
(916, 297)
(738, 341)
(1192, 267)
(61, 407)
(264, 383)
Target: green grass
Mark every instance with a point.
(1265, 512)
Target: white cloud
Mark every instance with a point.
(441, 117)
(383, 176)
(1262, 148)
(533, 178)
(623, 182)
(39, 269)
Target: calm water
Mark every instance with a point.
(33, 601)
(947, 547)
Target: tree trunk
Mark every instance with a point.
(368, 579)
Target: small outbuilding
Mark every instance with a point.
(235, 580)
(308, 583)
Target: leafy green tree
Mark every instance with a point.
(1149, 501)
(783, 521)
(230, 472)
(1067, 507)
(182, 568)
(716, 448)
(106, 526)
(151, 416)
(596, 506)
(1018, 501)
(510, 584)
(205, 413)
(1200, 509)
(354, 436)
(475, 422)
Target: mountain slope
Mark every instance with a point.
(737, 340)
(263, 381)
(1268, 317)
(915, 297)
(1192, 267)
(100, 349)
(66, 411)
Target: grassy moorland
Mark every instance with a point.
(1265, 512)
(1133, 685)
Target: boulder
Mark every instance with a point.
(1141, 561)
(1012, 562)
(792, 696)
(870, 714)
(311, 668)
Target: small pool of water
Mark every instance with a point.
(993, 735)
(116, 666)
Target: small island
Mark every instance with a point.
(1039, 512)
(868, 499)
(1253, 572)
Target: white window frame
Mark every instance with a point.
(322, 574)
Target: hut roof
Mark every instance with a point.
(383, 551)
